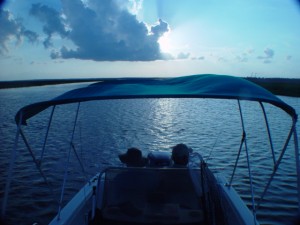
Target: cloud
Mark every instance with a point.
(167, 56)
(267, 61)
(250, 51)
(100, 30)
(183, 55)
(198, 58)
(12, 28)
(222, 59)
(53, 22)
(268, 55)
(159, 29)
(242, 58)
(245, 56)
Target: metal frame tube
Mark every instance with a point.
(276, 166)
(34, 158)
(46, 136)
(269, 132)
(297, 161)
(13, 157)
(248, 164)
(67, 165)
(237, 158)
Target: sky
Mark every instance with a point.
(53, 39)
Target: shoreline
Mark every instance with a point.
(278, 86)
(44, 82)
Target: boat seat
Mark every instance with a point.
(128, 185)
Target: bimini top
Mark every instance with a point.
(195, 86)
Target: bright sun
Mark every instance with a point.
(164, 43)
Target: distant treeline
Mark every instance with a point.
(278, 86)
(31, 83)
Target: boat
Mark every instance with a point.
(158, 193)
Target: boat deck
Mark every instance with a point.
(156, 196)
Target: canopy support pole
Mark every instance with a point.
(46, 136)
(67, 165)
(13, 157)
(297, 162)
(248, 164)
(80, 163)
(35, 160)
(269, 132)
(237, 158)
(276, 166)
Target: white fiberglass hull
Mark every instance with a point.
(79, 210)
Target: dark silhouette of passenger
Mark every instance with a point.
(133, 158)
(180, 155)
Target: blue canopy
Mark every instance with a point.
(195, 86)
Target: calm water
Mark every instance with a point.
(108, 128)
